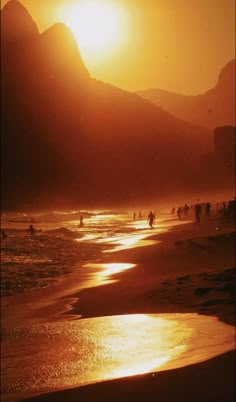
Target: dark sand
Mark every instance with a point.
(192, 269)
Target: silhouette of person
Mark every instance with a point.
(208, 209)
(4, 235)
(232, 207)
(140, 215)
(134, 216)
(81, 221)
(179, 212)
(186, 210)
(31, 230)
(151, 218)
(224, 208)
(198, 212)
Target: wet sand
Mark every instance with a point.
(211, 381)
(191, 269)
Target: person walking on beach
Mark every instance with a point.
(198, 212)
(140, 215)
(81, 221)
(134, 216)
(151, 218)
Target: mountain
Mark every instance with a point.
(16, 23)
(68, 138)
(214, 108)
(61, 52)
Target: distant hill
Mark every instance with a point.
(69, 138)
(214, 108)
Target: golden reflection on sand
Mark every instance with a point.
(103, 217)
(143, 225)
(147, 352)
(87, 237)
(65, 354)
(114, 268)
(120, 242)
(109, 269)
(129, 242)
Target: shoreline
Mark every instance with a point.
(165, 268)
(56, 300)
(211, 381)
(62, 300)
(162, 281)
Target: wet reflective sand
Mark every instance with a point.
(37, 358)
(105, 271)
(54, 356)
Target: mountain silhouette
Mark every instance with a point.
(61, 51)
(16, 23)
(214, 108)
(69, 138)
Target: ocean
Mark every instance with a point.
(60, 245)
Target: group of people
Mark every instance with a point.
(150, 219)
(31, 231)
(206, 209)
(199, 210)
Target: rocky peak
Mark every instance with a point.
(61, 48)
(17, 23)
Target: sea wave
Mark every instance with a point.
(60, 245)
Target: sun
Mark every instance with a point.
(98, 25)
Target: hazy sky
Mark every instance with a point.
(177, 45)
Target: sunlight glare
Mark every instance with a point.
(111, 268)
(115, 268)
(98, 25)
(129, 242)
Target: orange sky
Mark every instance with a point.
(176, 45)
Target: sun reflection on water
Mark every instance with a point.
(72, 353)
(146, 352)
(106, 270)
(115, 230)
(114, 268)
(123, 243)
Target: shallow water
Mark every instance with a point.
(61, 245)
(54, 356)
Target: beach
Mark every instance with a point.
(184, 272)
(118, 207)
